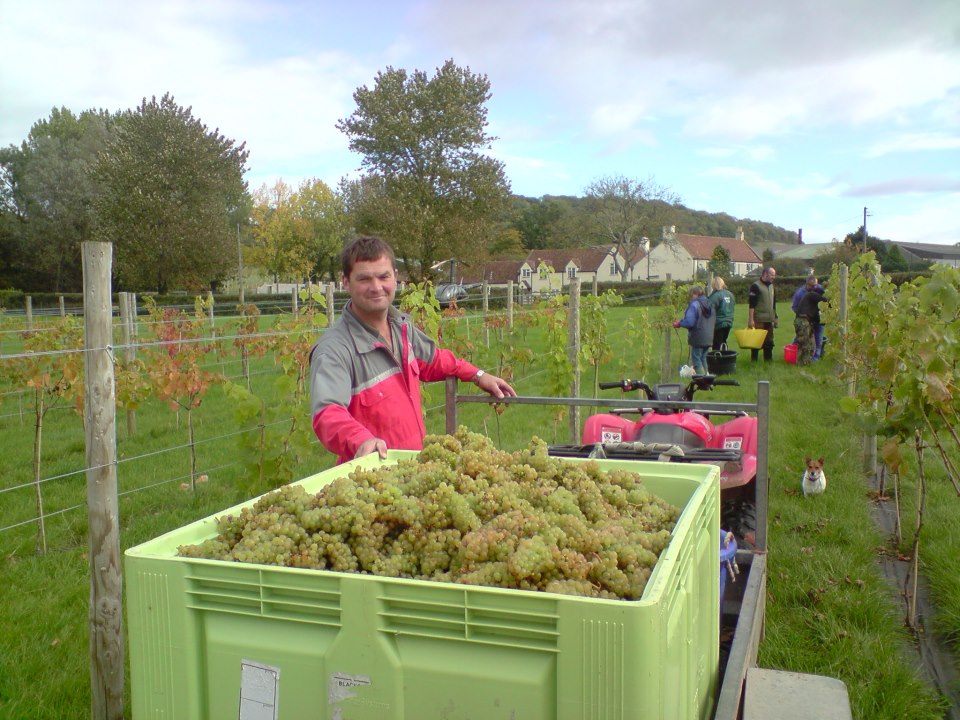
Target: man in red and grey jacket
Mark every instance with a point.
(366, 370)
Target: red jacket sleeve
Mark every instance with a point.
(339, 432)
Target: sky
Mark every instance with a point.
(801, 114)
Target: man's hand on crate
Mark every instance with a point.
(370, 446)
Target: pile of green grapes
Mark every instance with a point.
(463, 512)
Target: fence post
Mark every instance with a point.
(844, 276)
(29, 311)
(126, 327)
(329, 295)
(239, 267)
(295, 300)
(63, 308)
(486, 311)
(510, 304)
(574, 353)
(763, 462)
(106, 585)
(450, 405)
(667, 360)
(210, 306)
(596, 284)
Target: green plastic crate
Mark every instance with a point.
(211, 640)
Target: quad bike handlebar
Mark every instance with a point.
(669, 391)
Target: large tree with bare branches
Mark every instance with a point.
(625, 211)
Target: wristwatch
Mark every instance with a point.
(476, 378)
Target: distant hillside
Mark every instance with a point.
(565, 221)
(757, 232)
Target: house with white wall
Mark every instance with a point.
(548, 270)
(683, 256)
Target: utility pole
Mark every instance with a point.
(864, 229)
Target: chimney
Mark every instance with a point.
(669, 232)
(800, 236)
(740, 236)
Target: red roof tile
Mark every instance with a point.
(701, 247)
(589, 259)
(495, 272)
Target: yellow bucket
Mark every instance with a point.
(750, 338)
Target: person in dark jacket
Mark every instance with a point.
(723, 304)
(806, 323)
(698, 320)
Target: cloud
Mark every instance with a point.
(752, 152)
(898, 186)
(730, 70)
(791, 189)
(913, 142)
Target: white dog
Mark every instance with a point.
(814, 481)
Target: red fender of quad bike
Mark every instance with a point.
(606, 428)
(739, 433)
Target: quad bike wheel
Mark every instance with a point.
(738, 514)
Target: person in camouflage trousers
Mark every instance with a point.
(805, 324)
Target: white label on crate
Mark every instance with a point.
(732, 443)
(259, 685)
(341, 688)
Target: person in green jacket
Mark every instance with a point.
(723, 303)
(762, 312)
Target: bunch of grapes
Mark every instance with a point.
(463, 512)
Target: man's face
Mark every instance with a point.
(372, 286)
(769, 275)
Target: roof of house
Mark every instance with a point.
(701, 247)
(807, 252)
(587, 259)
(495, 272)
(930, 251)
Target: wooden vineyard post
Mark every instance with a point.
(450, 405)
(844, 275)
(106, 588)
(28, 310)
(574, 350)
(126, 326)
(329, 296)
(510, 304)
(486, 311)
(63, 307)
(665, 364)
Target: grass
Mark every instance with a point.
(828, 610)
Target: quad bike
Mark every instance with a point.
(674, 429)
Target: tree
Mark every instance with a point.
(720, 261)
(278, 248)
(894, 261)
(48, 196)
(626, 210)
(172, 195)
(428, 186)
(322, 217)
